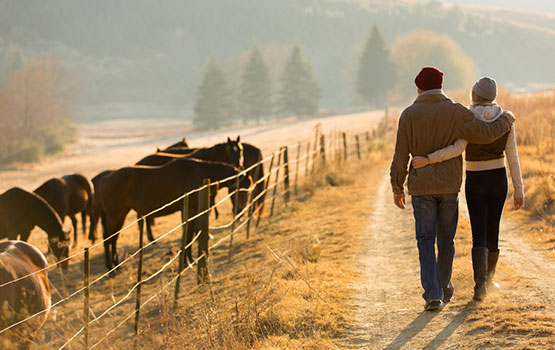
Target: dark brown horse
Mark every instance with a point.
(229, 152)
(183, 144)
(251, 156)
(70, 195)
(20, 299)
(145, 188)
(20, 211)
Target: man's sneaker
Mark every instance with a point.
(432, 305)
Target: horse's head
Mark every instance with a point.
(240, 197)
(60, 247)
(234, 150)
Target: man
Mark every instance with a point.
(432, 122)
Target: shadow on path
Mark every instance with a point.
(411, 330)
(420, 322)
(457, 320)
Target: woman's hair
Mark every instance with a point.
(477, 99)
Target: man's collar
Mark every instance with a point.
(431, 96)
(433, 92)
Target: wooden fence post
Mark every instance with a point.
(139, 282)
(235, 212)
(314, 155)
(277, 182)
(307, 161)
(297, 170)
(184, 231)
(344, 146)
(367, 141)
(286, 194)
(86, 303)
(358, 146)
(204, 223)
(250, 210)
(267, 184)
(323, 150)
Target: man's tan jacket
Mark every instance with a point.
(432, 122)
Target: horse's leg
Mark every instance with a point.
(115, 258)
(107, 255)
(113, 224)
(74, 223)
(189, 249)
(84, 221)
(212, 201)
(93, 221)
(149, 223)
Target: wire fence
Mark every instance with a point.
(287, 168)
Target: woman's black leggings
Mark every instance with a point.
(486, 192)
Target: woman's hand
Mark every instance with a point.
(519, 203)
(420, 162)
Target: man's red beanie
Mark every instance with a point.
(429, 78)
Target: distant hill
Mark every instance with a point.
(150, 52)
(538, 6)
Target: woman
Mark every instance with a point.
(486, 183)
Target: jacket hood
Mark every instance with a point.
(487, 112)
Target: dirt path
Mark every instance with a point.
(389, 306)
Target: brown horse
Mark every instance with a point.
(183, 144)
(251, 156)
(28, 296)
(70, 195)
(230, 152)
(20, 211)
(144, 189)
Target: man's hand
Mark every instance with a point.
(399, 200)
(519, 203)
(420, 162)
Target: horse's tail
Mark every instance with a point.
(85, 184)
(95, 211)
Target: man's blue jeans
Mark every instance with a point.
(436, 218)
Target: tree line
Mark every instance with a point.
(35, 108)
(298, 94)
(384, 76)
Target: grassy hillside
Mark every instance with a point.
(140, 50)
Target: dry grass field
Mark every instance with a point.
(337, 268)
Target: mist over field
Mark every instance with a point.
(136, 58)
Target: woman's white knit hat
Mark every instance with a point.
(486, 87)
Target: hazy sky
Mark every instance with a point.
(546, 6)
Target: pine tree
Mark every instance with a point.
(300, 91)
(376, 72)
(255, 96)
(213, 100)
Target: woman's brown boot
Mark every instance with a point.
(480, 266)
